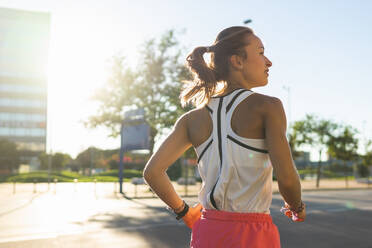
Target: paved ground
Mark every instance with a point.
(83, 217)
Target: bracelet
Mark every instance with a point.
(298, 209)
(179, 209)
(183, 212)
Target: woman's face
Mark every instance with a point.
(255, 67)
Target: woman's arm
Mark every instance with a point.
(280, 153)
(169, 151)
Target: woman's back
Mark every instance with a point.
(247, 120)
(235, 170)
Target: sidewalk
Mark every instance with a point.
(27, 190)
(329, 184)
(143, 191)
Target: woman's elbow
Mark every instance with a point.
(149, 172)
(289, 182)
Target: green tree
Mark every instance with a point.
(154, 85)
(294, 140)
(92, 158)
(88, 158)
(113, 162)
(43, 158)
(60, 160)
(175, 171)
(316, 133)
(9, 156)
(367, 160)
(344, 146)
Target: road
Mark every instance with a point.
(78, 217)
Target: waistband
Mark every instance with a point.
(235, 216)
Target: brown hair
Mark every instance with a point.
(229, 41)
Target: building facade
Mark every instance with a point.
(24, 43)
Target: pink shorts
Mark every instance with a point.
(229, 230)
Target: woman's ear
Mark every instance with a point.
(236, 62)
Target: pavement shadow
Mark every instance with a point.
(328, 224)
(154, 225)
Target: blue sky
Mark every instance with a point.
(320, 49)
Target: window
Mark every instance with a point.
(22, 117)
(35, 89)
(24, 103)
(34, 132)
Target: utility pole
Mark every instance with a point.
(288, 89)
(49, 166)
(364, 136)
(91, 160)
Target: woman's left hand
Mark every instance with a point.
(193, 215)
(296, 217)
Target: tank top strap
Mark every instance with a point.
(215, 108)
(234, 102)
(220, 109)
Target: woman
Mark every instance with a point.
(239, 137)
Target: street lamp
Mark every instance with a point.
(364, 136)
(288, 89)
(247, 21)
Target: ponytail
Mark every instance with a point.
(206, 77)
(199, 91)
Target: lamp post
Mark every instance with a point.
(121, 158)
(91, 160)
(288, 89)
(364, 136)
(49, 165)
(247, 21)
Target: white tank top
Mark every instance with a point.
(236, 172)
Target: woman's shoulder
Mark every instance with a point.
(265, 99)
(263, 102)
(196, 113)
(269, 105)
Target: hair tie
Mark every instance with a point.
(208, 49)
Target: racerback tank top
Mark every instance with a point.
(236, 171)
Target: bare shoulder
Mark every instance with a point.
(182, 120)
(187, 118)
(196, 113)
(199, 124)
(273, 113)
(268, 104)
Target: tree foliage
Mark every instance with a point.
(366, 161)
(58, 162)
(344, 146)
(9, 156)
(314, 132)
(91, 157)
(154, 85)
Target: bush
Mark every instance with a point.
(126, 173)
(362, 170)
(67, 176)
(37, 177)
(175, 170)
